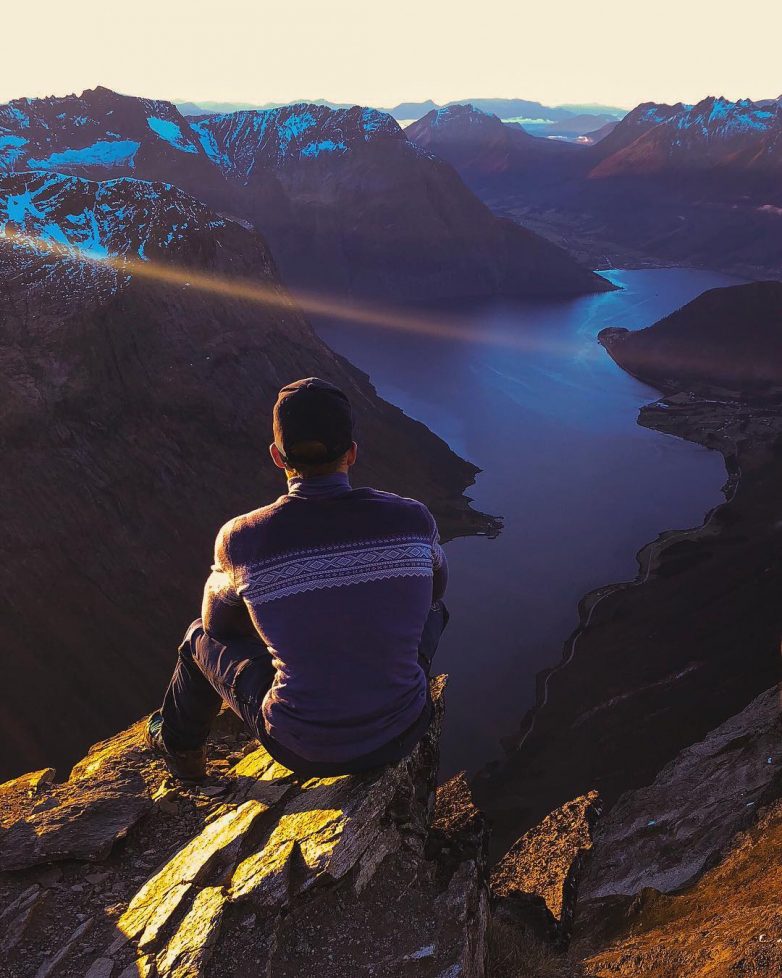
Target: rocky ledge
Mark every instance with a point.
(118, 872)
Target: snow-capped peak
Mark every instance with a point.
(239, 141)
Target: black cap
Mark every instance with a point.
(312, 411)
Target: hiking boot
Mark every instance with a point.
(184, 765)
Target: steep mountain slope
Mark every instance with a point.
(348, 204)
(591, 138)
(729, 338)
(135, 407)
(485, 150)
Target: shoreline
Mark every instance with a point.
(588, 604)
(632, 687)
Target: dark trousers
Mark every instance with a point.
(239, 673)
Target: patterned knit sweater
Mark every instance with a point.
(338, 583)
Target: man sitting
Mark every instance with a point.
(321, 615)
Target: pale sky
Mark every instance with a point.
(382, 53)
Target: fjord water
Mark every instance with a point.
(524, 391)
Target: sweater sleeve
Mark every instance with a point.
(220, 587)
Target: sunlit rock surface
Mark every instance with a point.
(684, 876)
(664, 836)
(119, 872)
(536, 881)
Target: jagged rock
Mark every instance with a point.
(190, 948)
(270, 874)
(546, 862)
(16, 917)
(101, 968)
(50, 965)
(140, 968)
(158, 900)
(82, 818)
(454, 811)
(664, 835)
(81, 825)
(16, 791)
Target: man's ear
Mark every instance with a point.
(276, 457)
(352, 454)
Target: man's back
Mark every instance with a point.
(338, 583)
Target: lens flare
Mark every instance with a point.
(276, 296)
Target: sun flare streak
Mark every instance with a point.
(275, 296)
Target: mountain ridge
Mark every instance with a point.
(346, 202)
(691, 185)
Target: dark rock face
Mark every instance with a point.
(727, 338)
(347, 203)
(136, 410)
(545, 864)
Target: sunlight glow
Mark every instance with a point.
(275, 296)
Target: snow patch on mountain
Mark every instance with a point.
(121, 152)
(452, 113)
(12, 115)
(170, 132)
(712, 118)
(10, 150)
(209, 145)
(48, 212)
(324, 146)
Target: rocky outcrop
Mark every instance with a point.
(545, 864)
(683, 877)
(663, 836)
(257, 869)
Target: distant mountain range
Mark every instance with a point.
(346, 201)
(134, 407)
(504, 107)
(563, 121)
(698, 184)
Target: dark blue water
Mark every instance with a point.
(526, 392)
